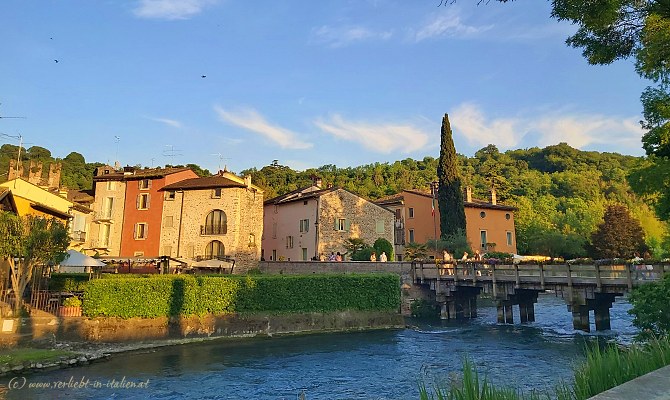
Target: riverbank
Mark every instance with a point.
(69, 342)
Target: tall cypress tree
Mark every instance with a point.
(449, 195)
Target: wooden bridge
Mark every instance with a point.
(584, 287)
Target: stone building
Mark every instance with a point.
(215, 217)
(307, 222)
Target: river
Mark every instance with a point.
(365, 365)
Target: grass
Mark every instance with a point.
(603, 369)
(9, 357)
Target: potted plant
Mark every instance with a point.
(71, 307)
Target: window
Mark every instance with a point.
(509, 238)
(342, 224)
(216, 193)
(379, 226)
(304, 254)
(214, 249)
(170, 195)
(104, 234)
(216, 223)
(107, 207)
(110, 185)
(143, 201)
(507, 216)
(411, 212)
(411, 235)
(273, 257)
(144, 184)
(289, 242)
(168, 221)
(252, 240)
(304, 225)
(482, 235)
(304, 202)
(482, 214)
(138, 254)
(141, 230)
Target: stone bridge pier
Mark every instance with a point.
(580, 304)
(525, 299)
(456, 302)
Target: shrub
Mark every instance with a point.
(158, 296)
(383, 245)
(67, 282)
(72, 302)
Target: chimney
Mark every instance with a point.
(54, 175)
(35, 173)
(468, 194)
(317, 181)
(13, 173)
(247, 181)
(493, 195)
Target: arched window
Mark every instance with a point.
(214, 249)
(215, 224)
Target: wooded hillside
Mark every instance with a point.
(561, 192)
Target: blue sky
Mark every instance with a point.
(307, 83)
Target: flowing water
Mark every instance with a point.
(366, 365)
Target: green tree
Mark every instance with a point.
(651, 308)
(28, 242)
(356, 247)
(456, 244)
(383, 245)
(415, 251)
(449, 194)
(619, 235)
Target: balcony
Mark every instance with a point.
(221, 229)
(99, 244)
(103, 216)
(78, 236)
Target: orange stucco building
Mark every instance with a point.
(489, 225)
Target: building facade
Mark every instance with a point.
(489, 225)
(214, 217)
(129, 206)
(303, 224)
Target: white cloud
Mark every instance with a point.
(578, 130)
(251, 120)
(171, 122)
(342, 36)
(170, 9)
(381, 138)
(448, 23)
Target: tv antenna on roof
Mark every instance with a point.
(221, 158)
(171, 152)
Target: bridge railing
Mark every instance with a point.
(564, 273)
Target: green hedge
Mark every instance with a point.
(68, 282)
(158, 296)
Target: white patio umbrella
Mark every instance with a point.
(78, 262)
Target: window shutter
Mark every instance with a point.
(148, 199)
(347, 225)
(149, 184)
(336, 226)
(307, 225)
(135, 232)
(146, 229)
(137, 203)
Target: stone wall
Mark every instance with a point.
(244, 213)
(361, 216)
(111, 330)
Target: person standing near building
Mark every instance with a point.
(382, 257)
(373, 257)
